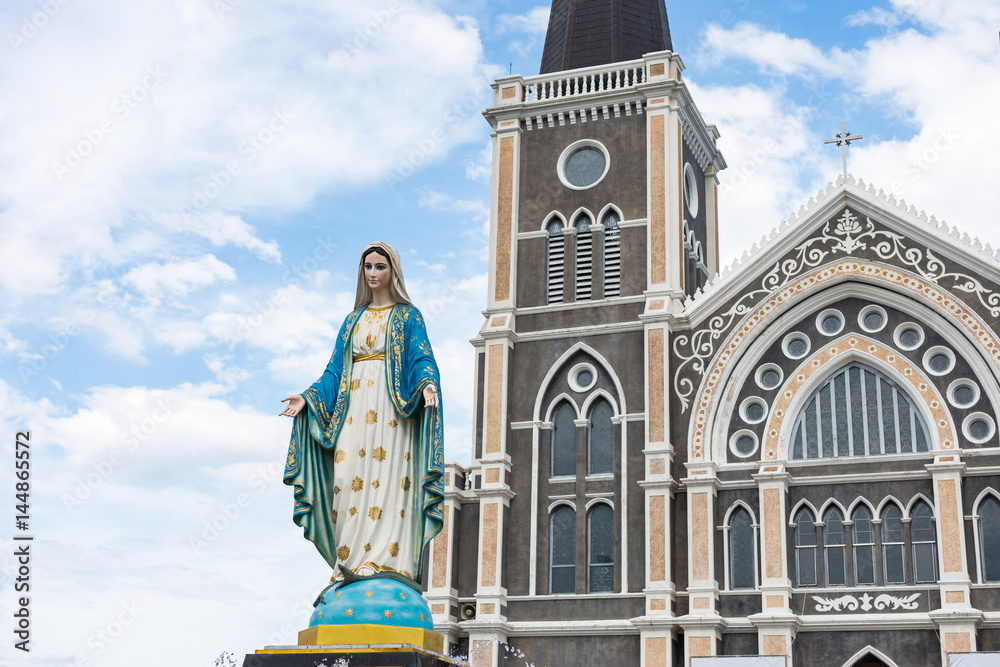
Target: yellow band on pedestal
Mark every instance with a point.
(354, 635)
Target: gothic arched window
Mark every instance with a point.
(863, 535)
(564, 441)
(893, 567)
(858, 412)
(924, 539)
(612, 254)
(555, 261)
(742, 572)
(601, 436)
(562, 550)
(989, 538)
(805, 548)
(584, 258)
(835, 547)
(600, 549)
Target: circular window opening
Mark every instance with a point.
(872, 318)
(768, 376)
(743, 443)
(795, 345)
(939, 360)
(909, 336)
(690, 190)
(830, 322)
(582, 377)
(753, 410)
(979, 427)
(583, 164)
(963, 393)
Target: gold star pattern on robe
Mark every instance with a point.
(369, 593)
(406, 484)
(350, 420)
(376, 484)
(335, 516)
(339, 593)
(401, 513)
(353, 511)
(356, 384)
(379, 454)
(394, 551)
(371, 340)
(357, 484)
(375, 513)
(421, 617)
(341, 455)
(372, 417)
(402, 595)
(406, 456)
(336, 490)
(349, 612)
(392, 423)
(357, 327)
(387, 613)
(368, 547)
(321, 615)
(344, 552)
(361, 453)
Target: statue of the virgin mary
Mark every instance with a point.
(366, 456)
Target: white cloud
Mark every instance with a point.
(771, 51)
(179, 278)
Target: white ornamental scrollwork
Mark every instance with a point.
(867, 602)
(696, 349)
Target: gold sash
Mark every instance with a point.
(369, 357)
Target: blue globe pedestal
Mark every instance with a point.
(368, 623)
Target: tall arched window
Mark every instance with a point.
(924, 540)
(835, 547)
(742, 572)
(601, 437)
(564, 441)
(989, 538)
(555, 261)
(584, 257)
(863, 535)
(600, 549)
(695, 266)
(893, 567)
(858, 412)
(562, 550)
(612, 254)
(805, 548)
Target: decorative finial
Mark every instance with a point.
(844, 140)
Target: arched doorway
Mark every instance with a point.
(869, 661)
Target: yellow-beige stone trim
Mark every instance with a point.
(489, 546)
(762, 316)
(658, 197)
(494, 397)
(505, 216)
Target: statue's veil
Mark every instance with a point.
(397, 288)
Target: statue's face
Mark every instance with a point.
(377, 272)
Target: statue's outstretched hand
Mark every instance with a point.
(431, 396)
(296, 404)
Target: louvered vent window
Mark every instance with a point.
(584, 258)
(858, 412)
(695, 267)
(554, 268)
(612, 254)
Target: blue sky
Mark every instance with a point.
(184, 190)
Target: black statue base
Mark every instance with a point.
(346, 656)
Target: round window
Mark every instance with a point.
(768, 376)
(583, 164)
(795, 345)
(979, 427)
(830, 322)
(909, 336)
(690, 190)
(872, 318)
(743, 443)
(582, 377)
(963, 393)
(753, 410)
(939, 360)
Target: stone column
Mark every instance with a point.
(702, 624)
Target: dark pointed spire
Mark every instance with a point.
(583, 33)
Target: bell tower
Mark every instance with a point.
(602, 221)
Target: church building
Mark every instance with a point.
(795, 457)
